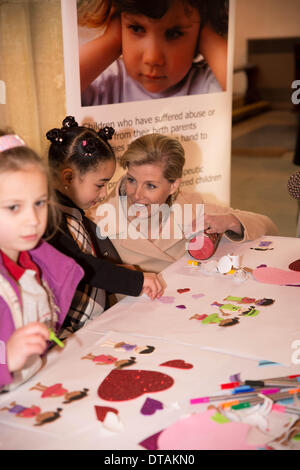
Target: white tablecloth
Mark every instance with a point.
(204, 355)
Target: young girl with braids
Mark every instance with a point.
(34, 294)
(82, 162)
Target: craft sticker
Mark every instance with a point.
(122, 345)
(102, 359)
(57, 390)
(47, 417)
(263, 245)
(121, 385)
(151, 406)
(22, 411)
(230, 314)
(33, 411)
(197, 316)
(178, 364)
(183, 291)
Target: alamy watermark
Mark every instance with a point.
(155, 221)
(296, 353)
(296, 94)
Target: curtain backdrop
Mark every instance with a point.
(32, 68)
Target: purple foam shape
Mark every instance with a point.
(265, 243)
(165, 299)
(181, 306)
(151, 406)
(197, 296)
(235, 378)
(151, 443)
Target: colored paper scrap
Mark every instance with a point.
(201, 432)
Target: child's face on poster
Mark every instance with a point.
(158, 53)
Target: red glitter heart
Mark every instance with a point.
(182, 291)
(178, 364)
(125, 384)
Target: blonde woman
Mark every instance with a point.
(143, 216)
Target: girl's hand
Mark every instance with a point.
(221, 223)
(96, 55)
(152, 286)
(24, 342)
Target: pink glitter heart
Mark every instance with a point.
(167, 299)
(181, 306)
(197, 296)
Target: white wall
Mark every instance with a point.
(258, 19)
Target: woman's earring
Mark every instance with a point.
(173, 197)
(66, 188)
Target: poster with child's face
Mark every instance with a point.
(155, 67)
(139, 51)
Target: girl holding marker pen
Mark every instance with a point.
(35, 296)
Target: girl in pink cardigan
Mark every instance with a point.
(34, 294)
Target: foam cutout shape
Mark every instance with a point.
(178, 364)
(121, 385)
(151, 442)
(166, 299)
(151, 406)
(295, 265)
(183, 291)
(101, 412)
(201, 432)
(280, 277)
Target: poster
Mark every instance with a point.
(196, 111)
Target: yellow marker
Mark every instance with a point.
(53, 337)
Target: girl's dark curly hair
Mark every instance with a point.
(79, 146)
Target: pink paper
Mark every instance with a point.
(276, 276)
(201, 432)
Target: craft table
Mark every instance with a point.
(133, 370)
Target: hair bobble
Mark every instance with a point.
(106, 133)
(55, 136)
(89, 146)
(68, 122)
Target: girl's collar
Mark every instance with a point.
(66, 201)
